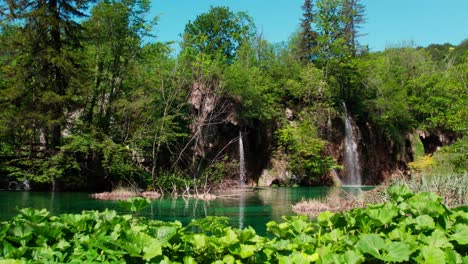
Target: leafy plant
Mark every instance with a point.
(410, 228)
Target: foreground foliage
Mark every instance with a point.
(410, 228)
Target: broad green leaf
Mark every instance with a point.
(4, 227)
(228, 259)
(460, 234)
(383, 214)
(298, 258)
(229, 239)
(437, 239)
(247, 250)
(284, 245)
(334, 236)
(452, 257)
(135, 204)
(189, 260)
(371, 244)
(199, 241)
(33, 215)
(397, 252)
(400, 192)
(62, 244)
(22, 232)
(246, 234)
(152, 250)
(165, 233)
(424, 222)
(432, 255)
(426, 203)
(11, 261)
(325, 218)
(353, 257)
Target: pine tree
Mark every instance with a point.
(352, 16)
(45, 65)
(308, 37)
(43, 75)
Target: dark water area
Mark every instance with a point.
(250, 208)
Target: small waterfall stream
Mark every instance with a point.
(351, 164)
(241, 161)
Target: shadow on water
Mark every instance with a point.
(253, 208)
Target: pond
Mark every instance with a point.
(250, 208)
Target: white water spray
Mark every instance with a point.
(351, 164)
(241, 161)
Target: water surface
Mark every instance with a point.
(251, 208)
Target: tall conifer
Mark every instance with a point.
(308, 37)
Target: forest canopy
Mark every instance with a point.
(90, 99)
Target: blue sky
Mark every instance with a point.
(388, 22)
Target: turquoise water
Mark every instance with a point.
(251, 208)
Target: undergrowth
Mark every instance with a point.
(409, 228)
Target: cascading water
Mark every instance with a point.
(241, 161)
(351, 164)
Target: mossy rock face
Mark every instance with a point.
(267, 178)
(417, 147)
(271, 177)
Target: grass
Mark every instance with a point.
(453, 188)
(340, 200)
(123, 193)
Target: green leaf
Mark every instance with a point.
(33, 215)
(383, 214)
(165, 233)
(460, 234)
(199, 241)
(400, 192)
(154, 249)
(247, 250)
(424, 223)
(11, 261)
(353, 257)
(437, 239)
(246, 234)
(432, 255)
(397, 252)
(325, 218)
(62, 245)
(189, 260)
(230, 238)
(135, 204)
(426, 203)
(228, 259)
(371, 244)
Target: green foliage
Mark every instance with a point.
(414, 228)
(135, 204)
(218, 33)
(304, 148)
(95, 97)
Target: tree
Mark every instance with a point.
(352, 13)
(43, 68)
(115, 29)
(308, 37)
(218, 33)
(46, 63)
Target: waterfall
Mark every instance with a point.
(241, 160)
(241, 210)
(351, 164)
(26, 185)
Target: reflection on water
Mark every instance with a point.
(241, 209)
(254, 207)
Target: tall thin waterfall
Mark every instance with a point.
(351, 164)
(241, 160)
